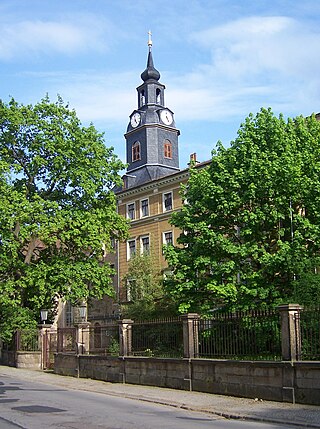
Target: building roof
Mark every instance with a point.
(153, 183)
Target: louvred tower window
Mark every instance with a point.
(136, 155)
(167, 149)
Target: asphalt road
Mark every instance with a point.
(33, 405)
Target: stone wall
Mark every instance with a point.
(263, 380)
(307, 382)
(67, 364)
(277, 381)
(8, 358)
(30, 360)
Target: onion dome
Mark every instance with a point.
(150, 72)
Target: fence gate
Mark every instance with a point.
(49, 347)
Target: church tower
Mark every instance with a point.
(151, 137)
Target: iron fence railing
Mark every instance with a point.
(67, 340)
(27, 340)
(158, 338)
(310, 333)
(104, 339)
(253, 335)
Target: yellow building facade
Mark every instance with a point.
(149, 208)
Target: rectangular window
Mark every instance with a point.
(69, 313)
(131, 248)
(167, 201)
(167, 238)
(144, 208)
(145, 244)
(131, 211)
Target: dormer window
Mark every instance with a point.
(136, 155)
(167, 149)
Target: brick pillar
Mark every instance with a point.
(290, 331)
(83, 338)
(125, 337)
(190, 335)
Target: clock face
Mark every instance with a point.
(166, 117)
(135, 119)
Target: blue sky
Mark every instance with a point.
(220, 60)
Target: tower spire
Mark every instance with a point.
(151, 137)
(149, 40)
(150, 72)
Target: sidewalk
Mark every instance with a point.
(297, 415)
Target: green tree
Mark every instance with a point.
(144, 286)
(57, 210)
(251, 220)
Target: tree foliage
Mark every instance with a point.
(251, 221)
(57, 209)
(145, 291)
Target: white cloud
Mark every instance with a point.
(252, 62)
(43, 37)
(254, 45)
(96, 96)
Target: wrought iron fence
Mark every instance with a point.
(67, 340)
(253, 335)
(49, 348)
(158, 338)
(310, 333)
(104, 339)
(27, 340)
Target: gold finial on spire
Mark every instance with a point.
(149, 39)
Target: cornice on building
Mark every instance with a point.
(165, 180)
(153, 218)
(175, 177)
(155, 125)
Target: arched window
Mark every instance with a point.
(136, 155)
(158, 98)
(142, 98)
(167, 149)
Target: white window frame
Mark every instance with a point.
(164, 241)
(141, 213)
(134, 210)
(164, 199)
(142, 252)
(69, 314)
(128, 248)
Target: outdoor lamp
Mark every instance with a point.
(44, 316)
(83, 311)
